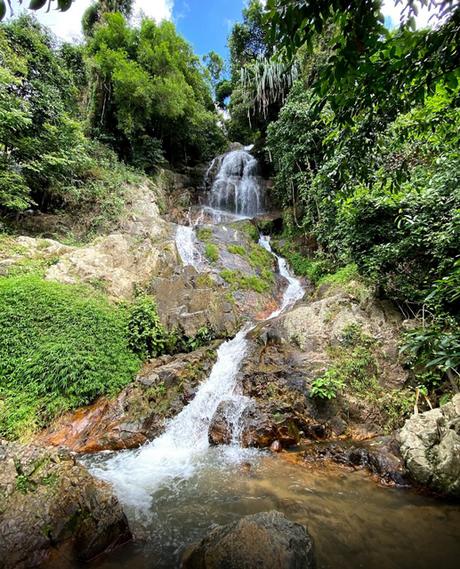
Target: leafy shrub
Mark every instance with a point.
(61, 347)
(327, 386)
(146, 335)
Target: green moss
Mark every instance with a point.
(245, 282)
(204, 280)
(204, 233)
(212, 252)
(237, 250)
(248, 228)
(341, 277)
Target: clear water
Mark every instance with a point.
(354, 522)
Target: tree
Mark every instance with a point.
(215, 66)
(149, 91)
(97, 9)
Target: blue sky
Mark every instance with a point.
(207, 23)
(204, 23)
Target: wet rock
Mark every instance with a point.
(139, 412)
(254, 427)
(221, 425)
(379, 456)
(48, 501)
(264, 541)
(430, 446)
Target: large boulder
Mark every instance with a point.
(49, 502)
(263, 541)
(139, 412)
(430, 446)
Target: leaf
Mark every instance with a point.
(37, 4)
(64, 5)
(2, 9)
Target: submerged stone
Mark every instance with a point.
(264, 541)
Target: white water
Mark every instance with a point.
(237, 186)
(176, 455)
(294, 291)
(186, 246)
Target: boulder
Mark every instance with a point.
(430, 446)
(264, 541)
(49, 502)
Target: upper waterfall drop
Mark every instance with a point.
(237, 187)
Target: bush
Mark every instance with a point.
(147, 336)
(61, 347)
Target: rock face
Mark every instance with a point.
(263, 541)
(430, 446)
(48, 502)
(142, 247)
(139, 412)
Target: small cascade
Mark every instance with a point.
(183, 448)
(186, 246)
(237, 187)
(294, 291)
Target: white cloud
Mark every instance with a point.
(67, 25)
(393, 10)
(156, 9)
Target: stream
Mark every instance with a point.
(175, 487)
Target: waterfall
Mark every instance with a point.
(237, 186)
(186, 246)
(177, 453)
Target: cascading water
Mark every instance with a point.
(180, 451)
(186, 246)
(237, 186)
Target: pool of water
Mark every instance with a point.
(355, 522)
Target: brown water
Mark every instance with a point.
(355, 522)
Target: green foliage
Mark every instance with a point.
(327, 386)
(146, 335)
(238, 281)
(212, 252)
(45, 159)
(355, 371)
(60, 347)
(237, 250)
(61, 5)
(148, 85)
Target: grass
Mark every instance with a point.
(237, 250)
(61, 346)
(204, 233)
(212, 252)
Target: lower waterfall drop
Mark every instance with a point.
(180, 450)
